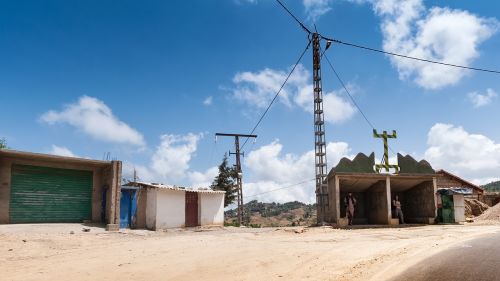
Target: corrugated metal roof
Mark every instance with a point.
(173, 187)
(455, 190)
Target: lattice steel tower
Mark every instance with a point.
(319, 133)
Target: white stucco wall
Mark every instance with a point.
(211, 208)
(151, 209)
(459, 204)
(170, 208)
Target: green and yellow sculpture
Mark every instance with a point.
(385, 164)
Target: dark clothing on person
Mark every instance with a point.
(350, 205)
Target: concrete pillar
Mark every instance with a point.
(5, 177)
(388, 197)
(337, 199)
(434, 183)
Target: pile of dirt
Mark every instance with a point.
(474, 207)
(492, 214)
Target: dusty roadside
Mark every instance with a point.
(51, 252)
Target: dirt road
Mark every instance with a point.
(51, 252)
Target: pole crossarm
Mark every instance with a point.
(235, 135)
(385, 165)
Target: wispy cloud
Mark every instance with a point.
(208, 101)
(479, 100)
(258, 88)
(316, 8)
(93, 117)
(61, 151)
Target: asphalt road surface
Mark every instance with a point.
(477, 259)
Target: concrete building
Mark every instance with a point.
(37, 188)
(162, 207)
(415, 185)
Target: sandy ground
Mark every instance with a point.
(51, 252)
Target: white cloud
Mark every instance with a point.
(472, 156)
(208, 101)
(479, 100)
(61, 151)
(440, 34)
(172, 156)
(259, 88)
(95, 118)
(203, 179)
(316, 8)
(240, 2)
(271, 170)
(170, 163)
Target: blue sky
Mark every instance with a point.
(152, 81)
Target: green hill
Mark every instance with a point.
(259, 214)
(492, 186)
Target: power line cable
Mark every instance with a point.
(294, 17)
(348, 93)
(350, 96)
(277, 93)
(289, 186)
(409, 57)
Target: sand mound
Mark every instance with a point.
(474, 207)
(492, 214)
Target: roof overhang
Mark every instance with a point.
(360, 182)
(31, 156)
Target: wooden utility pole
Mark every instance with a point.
(319, 133)
(239, 183)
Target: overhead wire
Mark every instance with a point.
(286, 187)
(294, 17)
(277, 93)
(350, 96)
(409, 57)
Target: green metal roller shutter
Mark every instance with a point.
(42, 194)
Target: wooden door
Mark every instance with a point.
(191, 209)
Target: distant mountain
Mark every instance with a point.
(259, 214)
(492, 186)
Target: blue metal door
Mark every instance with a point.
(125, 206)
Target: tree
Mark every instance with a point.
(3, 143)
(225, 181)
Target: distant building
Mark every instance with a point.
(43, 188)
(446, 179)
(161, 206)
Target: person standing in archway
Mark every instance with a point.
(350, 206)
(399, 213)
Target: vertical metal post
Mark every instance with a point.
(238, 179)
(319, 133)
